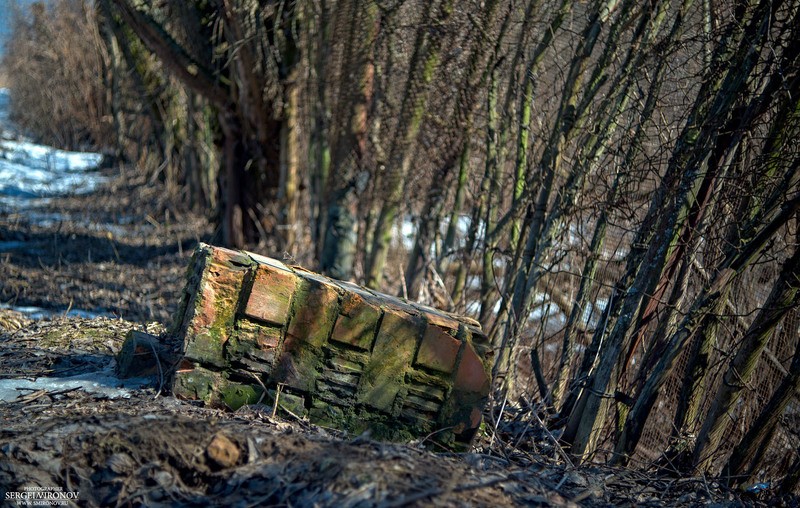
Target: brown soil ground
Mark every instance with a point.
(123, 251)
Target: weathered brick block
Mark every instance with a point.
(383, 378)
(271, 295)
(253, 345)
(341, 354)
(211, 300)
(357, 322)
(439, 350)
(314, 312)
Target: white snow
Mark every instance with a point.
(29, 170)
(37, 313)
(102, 383)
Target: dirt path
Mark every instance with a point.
(117, 252)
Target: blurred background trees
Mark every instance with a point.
(610, 186)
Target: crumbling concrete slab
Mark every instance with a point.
(251, 329)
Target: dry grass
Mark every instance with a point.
(54, 70)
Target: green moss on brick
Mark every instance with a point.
(211, 319)
(314, 312)
(383, 376)
(357, 323)
(236, 395)
(196, 384)
(207, 348)
(255, 343)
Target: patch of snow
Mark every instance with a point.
(37, 313)
(101, 383)
(407, 233)
(29, 170)
(4, 99)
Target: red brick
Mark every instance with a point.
(356, 323)
(438, 350)
(314, 311)
(471, 376)
(298, 365)
(213, 308)
(253, 345)
(395, 344)
(271, 295)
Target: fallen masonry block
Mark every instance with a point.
(251, 329)
(144, 355)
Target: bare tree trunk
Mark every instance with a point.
(289, 164)
(792, 479)
(686, 168)
(319, 149)
(741, 463)
(694, 321)
(424, 65)
(784, 297)
(449, 241)
(549, 165)
(465, 111)
(339, 251)
(491, 178)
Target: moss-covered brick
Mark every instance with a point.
(193, 382)
(324, 413)
(298, 366)
(314, 312)
(289, 402)
(438, 350)
(345, 364)
(383, 376)
(357, 322)
(210, 320)
(422, 403)
(427, 391)
(271, 295)
(346, 356)
(253, 345)
(236, 395)
(479, 341)
(365, 293)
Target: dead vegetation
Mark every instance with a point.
(151, 449)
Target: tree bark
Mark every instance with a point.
(424, 65)
(785, 296)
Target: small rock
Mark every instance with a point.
(222, 451)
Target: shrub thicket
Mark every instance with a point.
(55, 71)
